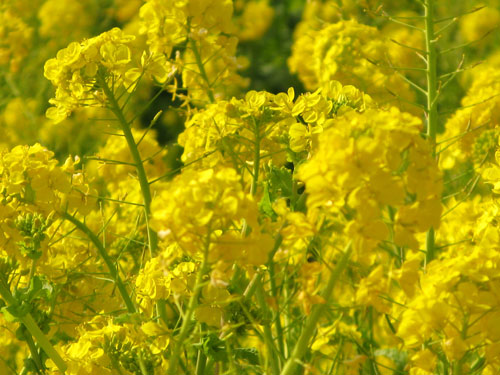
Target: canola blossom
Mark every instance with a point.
(211, 187)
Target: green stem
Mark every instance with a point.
(256, 157)
(209, 366)
(115, 365)
(274, 292)
(142, 366)
(113, 271)
(256, 168)
(252, 286)
(457, 367)
(430, 245)
(161, 308)
(431, 71)
(136, 156)
(272, 353)
(432, 93)
(34, 352)
(192, 304)
(35, 331)
(202, 70)
(231, 359)
(201, 362)
(317, 311)
(32, 270)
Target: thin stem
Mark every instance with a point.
(274, 292)
(35, 331)
(201, 68)
(432, 92)
(422, 52)
(405, 24)
(32, 270)
(113, 271)
(430, 44)
(201, 363)
(317, 311)
(459, 15)
(192, 304)
(256, 158)
(34, 352)
(273, 352)
(430, 245)
(176, 170)
(136, 156)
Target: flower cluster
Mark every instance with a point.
(209, 62)
(83, 72)
(32, 182)
(255, 19)
(351, 53)
(468, 131)
(367, 161)
(15, 38)
(110, 344)
(207, 230)
(77, 72)
(205, 211)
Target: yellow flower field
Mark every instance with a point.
(210, 187)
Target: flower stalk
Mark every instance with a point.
(431, 105)
(113, 271)
(30, 324)
(192, 304)
(114, 106)
(317, 312)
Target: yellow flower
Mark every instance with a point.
(356, 170)
(424, 362)
(351, 53)
(73, 71)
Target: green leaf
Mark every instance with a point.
(8, 315)
(281, 183)
(214, 348)
(265, 204)
(249, 355)
(12, 313)
(399, 358)
(127, 318)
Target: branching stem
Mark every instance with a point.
(201, 68)
(432, 92)
(113, 271)
(114, 106)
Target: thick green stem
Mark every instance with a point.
(317, 311)
(161, 308)
(432, 93)
(113, 271)
(142, 366)
(35, 331)
(457, 367)
(136, 156)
